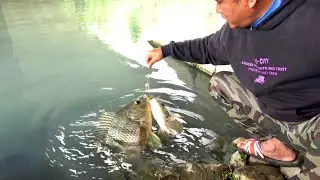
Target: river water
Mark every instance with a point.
(64, 62)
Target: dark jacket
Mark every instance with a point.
(279, 61)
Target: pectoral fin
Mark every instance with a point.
(154, 142)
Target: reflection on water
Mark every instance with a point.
(63, 63)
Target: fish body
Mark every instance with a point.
(169, 124)
(128, 129)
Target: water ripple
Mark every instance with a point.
(74, 148)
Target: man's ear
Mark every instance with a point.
(251, 3)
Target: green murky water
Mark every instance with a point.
(63, 62)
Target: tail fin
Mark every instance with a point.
(174, 123)
(177, 117)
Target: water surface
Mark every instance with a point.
(62, 63)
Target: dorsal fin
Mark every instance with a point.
(103, 126)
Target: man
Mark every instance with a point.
(273, 48)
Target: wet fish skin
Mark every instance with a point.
(170, 124)
(129, 128)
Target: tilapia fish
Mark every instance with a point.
(169, 124)
(130, 128)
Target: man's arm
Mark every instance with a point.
(207, 50)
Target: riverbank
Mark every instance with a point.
(241, 167)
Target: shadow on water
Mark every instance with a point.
(22, 143)
(12, 159)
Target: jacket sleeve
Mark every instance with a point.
(206, 50)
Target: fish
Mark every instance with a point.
(170, 124)
(129, 129)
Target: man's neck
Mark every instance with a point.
(262, 7)
(266, 11)
(258, 10)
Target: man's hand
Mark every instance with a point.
(154, 56)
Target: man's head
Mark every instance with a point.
(242, 13)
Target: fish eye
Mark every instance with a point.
(162, 104)
(137, 102)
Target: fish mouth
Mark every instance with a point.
(146, 128)
(148, 105)
(149, 96)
